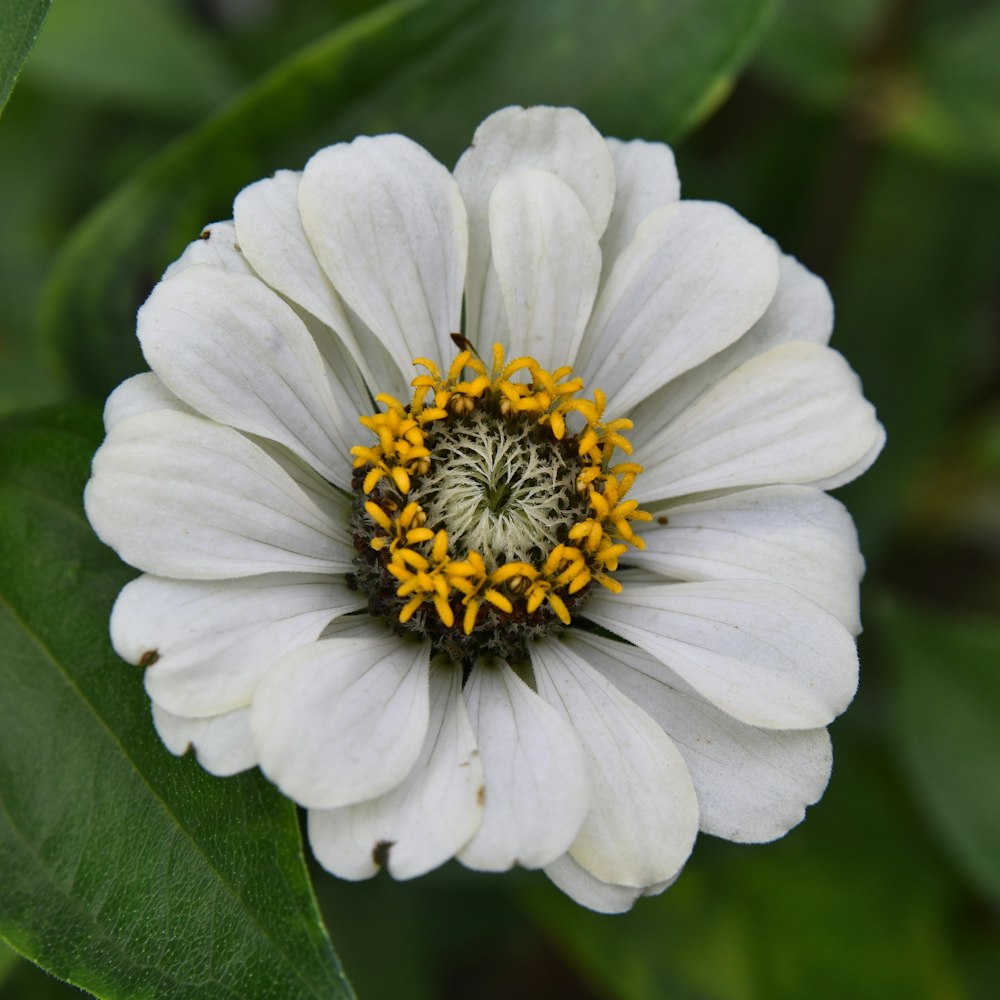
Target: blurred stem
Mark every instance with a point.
(859, 143)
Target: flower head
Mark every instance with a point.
(484, 511)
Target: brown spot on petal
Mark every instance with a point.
(206, 234)
(149, 657)
(481, 795)
(663, 519)
(380, 853)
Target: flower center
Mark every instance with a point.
(481, 517)
(499, 486)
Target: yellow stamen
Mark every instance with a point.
(420, 559)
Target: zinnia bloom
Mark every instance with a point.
(484, 511)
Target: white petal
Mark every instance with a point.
(388, 226)
(424, 821)
(695, 278)
(274, 240)
(645, 180)
(602, 897)
(854, 470)
(548, 264)
(357, 627)
(315, 487)
(342, 720)
(800, 310)
(359, 371)
(585, 889)
(212, 640)
(141, 393)
(759, 651)
(753, 784)
(221, 743)
(643, 816)
(789, 534)
(216, 247)
(792, 415)
(180, 496)
(228, 346)
(537, 792)
(559, 140)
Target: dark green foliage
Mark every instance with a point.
(125, 871)
(865, 137)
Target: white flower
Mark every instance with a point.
(445, 630)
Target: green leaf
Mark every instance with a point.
(430, 68)
(20, 22)
(125, 871)
(25, 979)
(924, 77)
(9, 960)
(947, 686)
(147, 55)
(41, 149)
(814, 46)
(952, 108)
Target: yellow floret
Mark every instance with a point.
(420, 558)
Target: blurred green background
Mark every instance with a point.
(864, 135)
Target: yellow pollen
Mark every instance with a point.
(461, 587)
